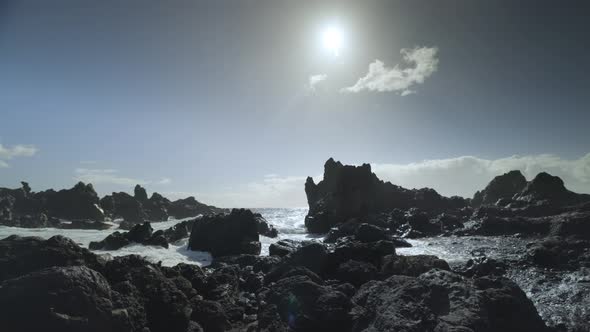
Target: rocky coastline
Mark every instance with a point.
(352, 280)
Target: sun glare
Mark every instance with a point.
(332, 40)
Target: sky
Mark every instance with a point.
(236, 102)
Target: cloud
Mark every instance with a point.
(19, 150)
(423, 62)
(314, 80)
(465, 175)
(164, 181)
(105, 176)
(461, 176)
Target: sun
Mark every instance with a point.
(332, 39)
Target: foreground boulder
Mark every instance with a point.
(355, 192)
(55, 285)
(23, 255)
(443, 301)
(231, 234)
(59, 299)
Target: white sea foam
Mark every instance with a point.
(289, 222)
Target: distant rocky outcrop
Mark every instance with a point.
(24, 208)
(226, 234)
(80, 207)
(504, 186)
(543, 206)
(512, 190)
(355, 192)
(144, 234)
(140, 233)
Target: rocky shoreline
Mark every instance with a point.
(354, 280)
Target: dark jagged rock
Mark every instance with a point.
(355, 192)
(23, 255)
(23, 208)
(355, 272)
(190, 207)
(179, 231)
(264, 228)
(283, 247)
(80, 202)
(210, 315)
(349, 249)
(139, 208)
(140, 233)
(140, 193)
(504, 186)
(559, 252)
(149, 292)
(443, 301)
(59, 299)
(411, 265)
(128, 208)
(369, 233)
(231, 234)
(483, 266)
(550, 188)
(304, 305)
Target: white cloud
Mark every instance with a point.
(314, 80)
(452, 176)
(465, 175)
(164, 181)
(19, 150)
(423, 63)
(105, 176)
(461, 176)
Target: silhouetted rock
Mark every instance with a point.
(80, 202)
(140, 193)
(550, 188)
(504, 186)
(369, 233)
(283, 247)
(179, 231)
(231, 234)
(140, 233)
(190, 207)
(355, 192)
(264, 228)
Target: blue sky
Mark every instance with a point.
(213, 98)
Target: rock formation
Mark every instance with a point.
(230, 234)
(355, 192)
(504, 186)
